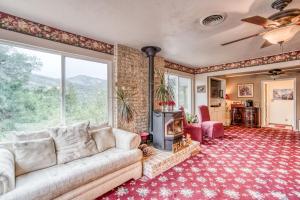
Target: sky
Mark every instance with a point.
(74, 67)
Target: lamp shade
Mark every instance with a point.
(282, 34)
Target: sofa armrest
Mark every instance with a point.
(126, 140)
(7, 171)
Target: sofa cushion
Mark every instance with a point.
(73, 142)
(24, 136)
(104, 138)
(126, 140)
(96, 127)
(7, 145)
(7, 171)
(54, 181)
(33, 155)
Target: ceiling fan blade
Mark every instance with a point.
(292, 70)
(261, 21)
(291, 73)
(244, 38)
(266, 44)
(296, 20)
(265, 74)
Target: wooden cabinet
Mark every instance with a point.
(245, 116)
(217, 114)
(237, 115)
(251, 117)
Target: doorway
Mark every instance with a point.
(279, 103)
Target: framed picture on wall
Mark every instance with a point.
(283, 94)
(245, 90)
(201, 89)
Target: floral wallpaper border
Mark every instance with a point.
(20, 25)
(178, 67)
(284, 57)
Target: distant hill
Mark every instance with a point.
(80, 82)
(42, 81)
(87, 81)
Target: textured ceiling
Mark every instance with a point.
(171, 24)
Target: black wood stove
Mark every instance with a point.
(167, 129)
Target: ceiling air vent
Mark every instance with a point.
(213, 20)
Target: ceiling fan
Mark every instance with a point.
(279, 27)
(277, 73)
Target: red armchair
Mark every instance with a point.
(193, 129)
(212, 129)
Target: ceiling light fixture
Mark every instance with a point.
(275, 73)
(280, 35)
(275, 76)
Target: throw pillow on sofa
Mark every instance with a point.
(73, 142)
(25, 136)
(126, 140)
(96, 127)
(104, 138)
(34, 155)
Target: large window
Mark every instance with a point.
(182, 87)
(86, 91)
(40, 90)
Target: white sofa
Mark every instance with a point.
(84, 178)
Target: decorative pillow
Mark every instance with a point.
(25, 136)
(126, 140)
(73, 142)
(93, 128)
(104, 138)
(33, 155)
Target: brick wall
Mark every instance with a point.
(131, 74)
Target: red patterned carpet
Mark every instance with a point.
(247, 164)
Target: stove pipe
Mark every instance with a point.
(150, 51)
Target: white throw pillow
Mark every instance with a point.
(94, 127)
(104, 138)
(73, 142)
(25, 136)
(126, 140)
(33, 155)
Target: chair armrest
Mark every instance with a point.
(7, 171)
(194, 125)
(126, 140)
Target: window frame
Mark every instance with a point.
(63, 56)
(177, 92)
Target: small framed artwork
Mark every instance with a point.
(201, 89)
(283, 94)
(245, 90)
